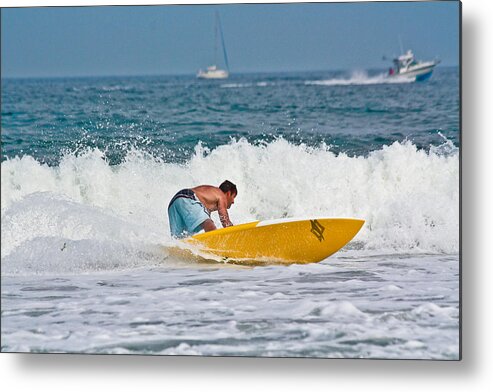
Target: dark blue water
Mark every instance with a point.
(167, 116)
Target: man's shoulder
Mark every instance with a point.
(209, 190)
(206, 188)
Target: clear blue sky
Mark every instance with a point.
(150, 40)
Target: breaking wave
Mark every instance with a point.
(87, 209)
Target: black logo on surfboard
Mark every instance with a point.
(317, 230)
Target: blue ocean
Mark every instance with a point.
(89, 165)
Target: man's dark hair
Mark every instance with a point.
(227, 186)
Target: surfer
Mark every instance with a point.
(189, 211)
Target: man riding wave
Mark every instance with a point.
(189, 211)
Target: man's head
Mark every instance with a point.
(230, 190)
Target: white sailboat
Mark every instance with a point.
(213, 71)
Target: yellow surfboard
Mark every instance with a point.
(284, 241)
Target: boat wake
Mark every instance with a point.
(361, 78)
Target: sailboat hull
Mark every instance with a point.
(217, 74)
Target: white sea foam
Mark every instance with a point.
(301, 310)
(408, 197)
(244, 85)
(361, 78)
(236, 85)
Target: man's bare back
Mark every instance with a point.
(189, 211)
(214, 199)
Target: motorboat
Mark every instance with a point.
(406, 66)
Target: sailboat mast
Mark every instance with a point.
(213, 71)
(223, 44)
(215, 38)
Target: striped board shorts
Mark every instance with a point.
(186, 214)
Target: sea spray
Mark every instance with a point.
(408, 197)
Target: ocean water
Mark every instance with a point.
(88, 168)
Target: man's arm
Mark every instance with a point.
(208, 225)
(222, 210)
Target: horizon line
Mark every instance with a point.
(136, 75)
